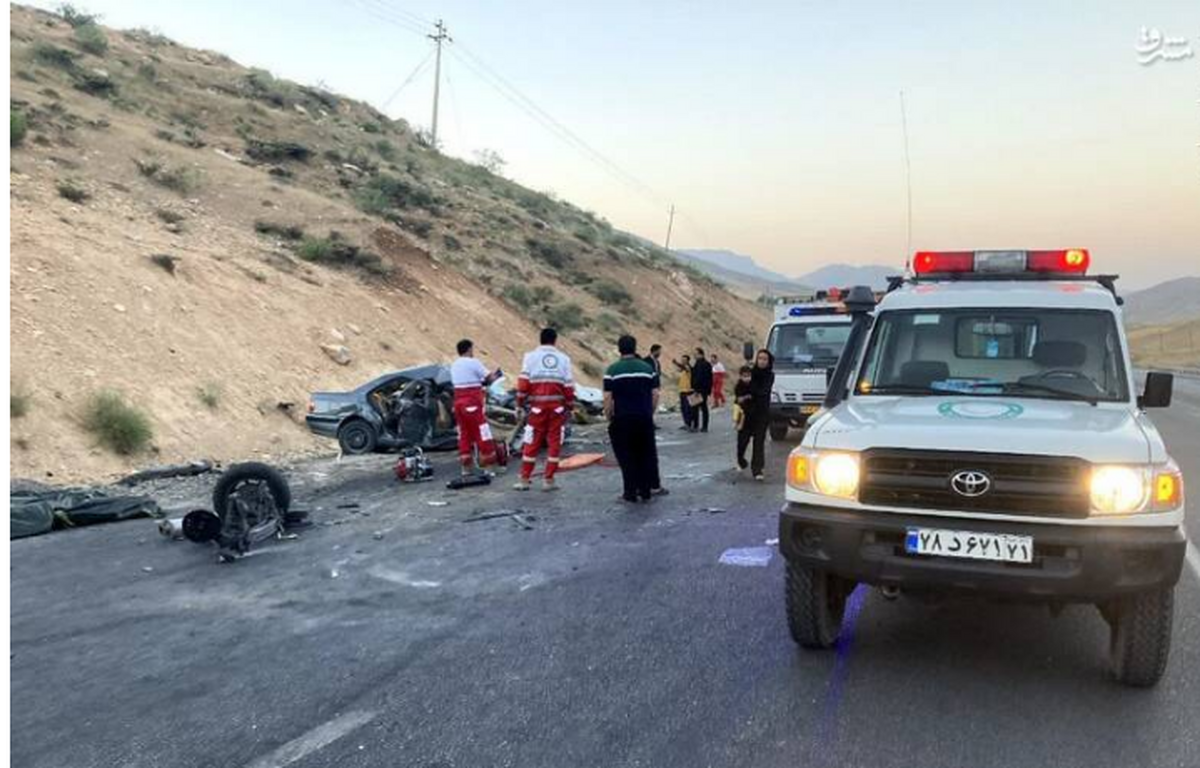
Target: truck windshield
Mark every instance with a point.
(807, 345)
(1045, 353)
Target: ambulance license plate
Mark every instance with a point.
(972, 545)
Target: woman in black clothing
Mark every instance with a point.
(757, 406)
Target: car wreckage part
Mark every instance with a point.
(413, 467)
(201, 526)
(251, 500)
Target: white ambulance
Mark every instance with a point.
(984, 436)
(806, 339)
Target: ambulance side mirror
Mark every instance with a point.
(748, 351)
(1158, 389)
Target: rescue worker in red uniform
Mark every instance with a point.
(546, 393)
(469, 378)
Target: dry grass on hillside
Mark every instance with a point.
(220, 226)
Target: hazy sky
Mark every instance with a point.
(774, 127)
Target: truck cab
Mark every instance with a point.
(806, 340)
(984, 437)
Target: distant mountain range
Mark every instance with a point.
(746, 276)
(741, 274)
(847, 275)
(735, 262)
(1168, 302)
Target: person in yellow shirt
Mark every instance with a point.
(684, 384)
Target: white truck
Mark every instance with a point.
(983, 436)
(806, 339)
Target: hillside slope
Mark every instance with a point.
(1166, 303)
(189, 233)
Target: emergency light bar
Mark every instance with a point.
(1072, 261)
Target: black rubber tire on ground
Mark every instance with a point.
(816, 602)
(356, 437)
(1141, 637)
(252, 471)
(779, 431)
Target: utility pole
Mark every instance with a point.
(670, 223)
(438, 38)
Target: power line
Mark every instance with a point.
(390, 18)
(515, 96)
(401, 13)
(412, 76)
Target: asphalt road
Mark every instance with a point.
(394, 633)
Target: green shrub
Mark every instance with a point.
(53, 56)
(262, 85)
(451, 242)
(549, 252)
(116, 424)
(565, 317)
(383, 193)
(371, 128)
(18, 126)
(180, 179)
(386, 149)
(18, 404)
(277, 151)
(210, 395)
(76, 17)
(72, 192)
(91, 39)
(99, 85)
(285, 231)
(336, 252)
(147, 71)
(165, 261)
(610, 292)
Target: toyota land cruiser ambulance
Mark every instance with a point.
(806, 339)
(982, 435)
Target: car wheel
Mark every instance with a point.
(248, 473)
(779, 431)
(356, 437)
(816, 602)
(1141, 637)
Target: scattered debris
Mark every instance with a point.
(147, 569)
(438, 503)
(172, 528)
(519, 516)
(772, 542)
(37, 511)
(168, 470)
(338, 353)
(757, 557)
(707, 510)
(468, 481)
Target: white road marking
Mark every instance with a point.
(319, 737)
(1193, 559)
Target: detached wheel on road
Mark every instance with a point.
(816, 602)
(1141, 637)
(779, 431)
(356, 437)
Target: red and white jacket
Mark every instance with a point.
(546, 380)
(468, 376)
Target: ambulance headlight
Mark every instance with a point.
(1118, 490)
(830, 473)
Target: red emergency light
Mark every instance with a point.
(1069, 261)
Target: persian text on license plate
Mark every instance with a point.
(1002, 547)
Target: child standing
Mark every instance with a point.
(741, 397)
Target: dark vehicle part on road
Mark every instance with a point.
(413, 466)
(250, 504)
(468, 481)
(36, 511)
(168, 471)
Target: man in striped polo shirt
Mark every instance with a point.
(630, 399)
